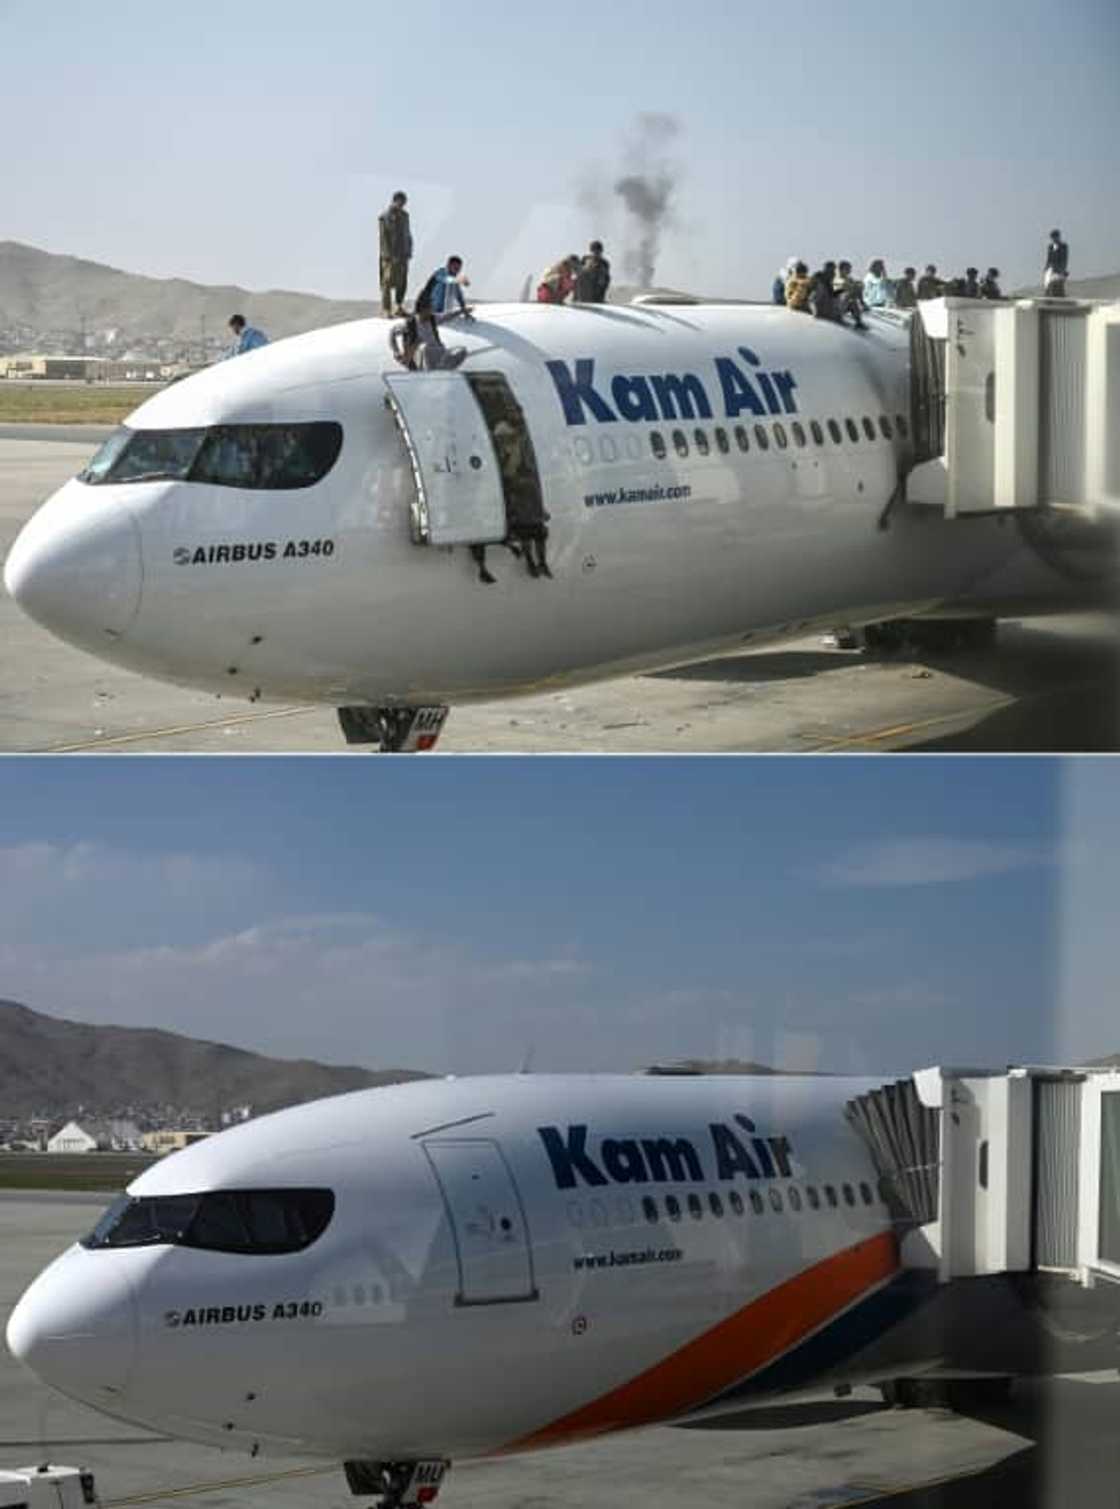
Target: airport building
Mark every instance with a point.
(34, 368)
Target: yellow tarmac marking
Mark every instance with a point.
(175, 730)
(878, 735)
(219, 1485)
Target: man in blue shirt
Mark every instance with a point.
(245, 337)
(443, 292)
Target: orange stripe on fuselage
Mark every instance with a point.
(735, 1348)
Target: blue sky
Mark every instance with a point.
(255, 143)
(855, 914)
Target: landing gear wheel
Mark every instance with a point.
(395, 730)
(397, 1485)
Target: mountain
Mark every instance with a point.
(41, 291)
(51, 1067)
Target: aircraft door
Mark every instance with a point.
(487, 1221)
(459, 496)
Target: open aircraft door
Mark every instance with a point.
(487, 1221)
(459, 495)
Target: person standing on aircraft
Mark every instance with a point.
(245, 337)
(971, 289)
(594, 276)
(905, 296)
(878, 289)
(797, 288)
(559, 280)
(395, 234)
(849, 295)
(989, 288)
(929, 284)
(443, 292)
(778, 287)
(1056, 267)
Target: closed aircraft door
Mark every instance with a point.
(487, 1221)
(459, 497)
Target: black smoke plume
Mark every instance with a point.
(646, 190)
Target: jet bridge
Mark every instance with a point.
(1000, 1173)
(1015, 405)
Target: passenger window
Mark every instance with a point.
(775, 1198)
(885, 426)
(722, 441)
(657, 445)
(762, 439)
(608, 450)
(813, 1198)
(695, 1207)
(649, 1207)
(869, 428)
(901, 425)
(818, 433)
(716, 1204)
(830, 1195)
(741, 439)
(780, 436)
(794, 1196)
(701, 439)
(673, 1207)
(680, 442)
(865, 1192)
(852, 429)
(834, 431)
(849, 1195)
(798, 433)
(756, 1202)
(735, 1200)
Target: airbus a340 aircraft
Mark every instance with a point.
(399, 1277)
(308, 523)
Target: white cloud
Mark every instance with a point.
(928, 861)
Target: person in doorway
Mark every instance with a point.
(594, 276)
(395, 236)
(245, 337)
(1056, 268)
(527, 530)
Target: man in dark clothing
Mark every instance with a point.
(395, 235)
(989, 288)
(594, 276)
(822, 298)
(929, 284)
(971, 289)
(905, 296)
(1056, 268)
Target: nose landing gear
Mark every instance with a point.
(396, 730)
(397, 1485)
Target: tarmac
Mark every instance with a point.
(1048, 685)
(1055, 1444)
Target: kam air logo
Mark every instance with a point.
(735, 1149)
(744, 388)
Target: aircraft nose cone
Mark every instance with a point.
(75, 566)
(75, 1328)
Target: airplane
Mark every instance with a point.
(310, 523)
(399, 1278)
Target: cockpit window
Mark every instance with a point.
(257, 456)
(235, 1220)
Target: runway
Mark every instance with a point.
(1047, 685)
(811, 1456)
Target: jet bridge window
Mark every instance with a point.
(258, 1221)
(259, 457)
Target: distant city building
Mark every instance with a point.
(95, 1136)
(31, 367)
(238, 1113)
(169, 1141)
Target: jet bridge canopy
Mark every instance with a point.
(1015, 405)
(1000, 1173)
